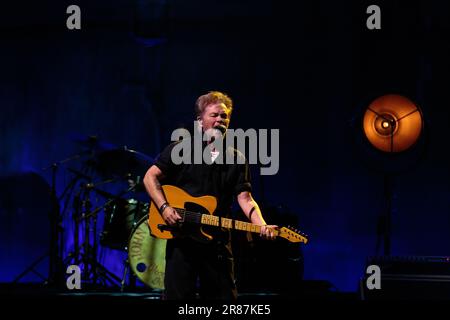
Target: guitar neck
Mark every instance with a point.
(227, 223)
(216, 221)
(288, 233)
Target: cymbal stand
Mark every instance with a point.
(86, 206)
(124, 276)
(74, 256)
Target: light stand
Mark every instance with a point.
(392, 124)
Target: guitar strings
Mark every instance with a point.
(192, 216)
(195, 216)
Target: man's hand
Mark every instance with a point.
(170, 216)
(267, 232)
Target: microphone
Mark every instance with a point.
(221, 128)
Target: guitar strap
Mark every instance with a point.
(250, 213)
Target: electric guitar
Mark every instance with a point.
(199, 211)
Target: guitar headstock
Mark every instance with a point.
(292, 234)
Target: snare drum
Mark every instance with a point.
(147, 255)
(121, 216)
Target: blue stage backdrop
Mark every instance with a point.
(128, 79)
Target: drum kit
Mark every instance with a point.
(125, 224)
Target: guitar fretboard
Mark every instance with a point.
(216, 221)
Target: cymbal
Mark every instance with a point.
(93, 142)
(122, 162)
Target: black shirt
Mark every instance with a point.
(223, 181)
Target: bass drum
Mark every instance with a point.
(147, 255)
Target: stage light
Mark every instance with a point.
(392, 123)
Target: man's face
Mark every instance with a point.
(215, 115)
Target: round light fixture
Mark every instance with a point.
(392, 123)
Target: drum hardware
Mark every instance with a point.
(111, 164)
(121, 162)
(121, 216)
(131, 277)
(114, 165)
(93, 270)
(124, 276)
(55, 253)
(92, 143)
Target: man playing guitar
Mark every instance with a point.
(188, 261)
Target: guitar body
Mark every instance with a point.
(178, 198)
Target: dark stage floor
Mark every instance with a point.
(99, 301)
(313, 296)
(309, 290)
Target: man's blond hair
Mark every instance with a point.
(212, 97)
